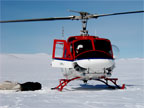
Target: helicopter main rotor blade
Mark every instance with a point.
(83, 15)
(102, 15)
(40, 19)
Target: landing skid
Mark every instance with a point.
(64, 82)
(114, 81)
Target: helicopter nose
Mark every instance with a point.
(96, 63)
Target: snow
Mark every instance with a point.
(37, 68)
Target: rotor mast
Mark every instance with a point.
(83, 17)
(84, 31)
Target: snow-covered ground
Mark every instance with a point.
(37, 68)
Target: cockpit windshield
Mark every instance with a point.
(82, 46)
(103, 45)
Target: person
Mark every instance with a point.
(79, 48)
(27, 86)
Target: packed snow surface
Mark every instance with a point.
(37, 68)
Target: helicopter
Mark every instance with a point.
(83, 57)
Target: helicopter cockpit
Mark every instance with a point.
(82, 47)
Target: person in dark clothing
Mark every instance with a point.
(30, 86)
(27, 86)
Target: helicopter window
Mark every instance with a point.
(71, 48)
(59, 50)
(67, 54)
(103, 45)
(82, 46)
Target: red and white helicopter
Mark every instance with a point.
(83, 57)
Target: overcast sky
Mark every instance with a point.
(125, 31)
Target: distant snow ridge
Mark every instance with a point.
(23, 56)
(131, 59)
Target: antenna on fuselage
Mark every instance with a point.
(62, 32)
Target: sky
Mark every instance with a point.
(124, 31)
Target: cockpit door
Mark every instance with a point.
(62, 56)
(61, 50)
